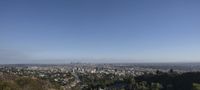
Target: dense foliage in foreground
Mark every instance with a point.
(174, 81)
(160, 81)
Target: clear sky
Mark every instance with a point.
(61, 31)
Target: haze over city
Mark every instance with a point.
(99, 31)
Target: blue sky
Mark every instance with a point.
(61, 31)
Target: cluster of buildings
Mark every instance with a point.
(67, 75)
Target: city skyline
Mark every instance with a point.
(95, 31)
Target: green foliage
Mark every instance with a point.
(196, 86)
(115, 82)
(156, 86)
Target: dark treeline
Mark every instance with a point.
(174, 81)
